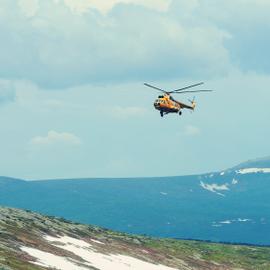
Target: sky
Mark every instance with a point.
(72, 99)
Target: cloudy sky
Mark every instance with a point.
(72, 100)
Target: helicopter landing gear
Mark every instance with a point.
(180, 112)
(161, 113)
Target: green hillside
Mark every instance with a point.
(19, 228)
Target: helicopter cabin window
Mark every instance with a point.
(160, 96)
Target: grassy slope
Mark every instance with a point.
(244, 257)
(18, 227)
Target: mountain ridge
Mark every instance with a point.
(225, 206)
(263, 162)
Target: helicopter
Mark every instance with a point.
(165, 103)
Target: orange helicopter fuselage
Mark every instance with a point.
(166, 103)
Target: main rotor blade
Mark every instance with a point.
(159, 89)
(187, 87)
(195, 91)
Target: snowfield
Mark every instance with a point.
(234, 181)
(214, 187)
(46, 259)
(89, 257)
(253, 170)
(224, 222)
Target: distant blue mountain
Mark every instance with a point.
(8, 180)
(229, 206)
(255, 163)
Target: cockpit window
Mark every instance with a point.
(160, 96)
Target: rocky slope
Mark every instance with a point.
(30, 241)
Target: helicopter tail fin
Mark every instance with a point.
(193, 103)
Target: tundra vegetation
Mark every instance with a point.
(25, 228)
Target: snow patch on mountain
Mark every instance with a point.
(243, 220)
(97, 242)
(215, 187)
(230, 221)
(253, 170)
(46, 259)
(89, 257)
(234, 181)
(225, 222)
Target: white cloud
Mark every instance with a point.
(54, 137)
(64, 49)
(104, 6)
(193, 39)
(29, 7)
(247, 22)
(192, 131)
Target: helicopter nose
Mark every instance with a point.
(157, 104)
